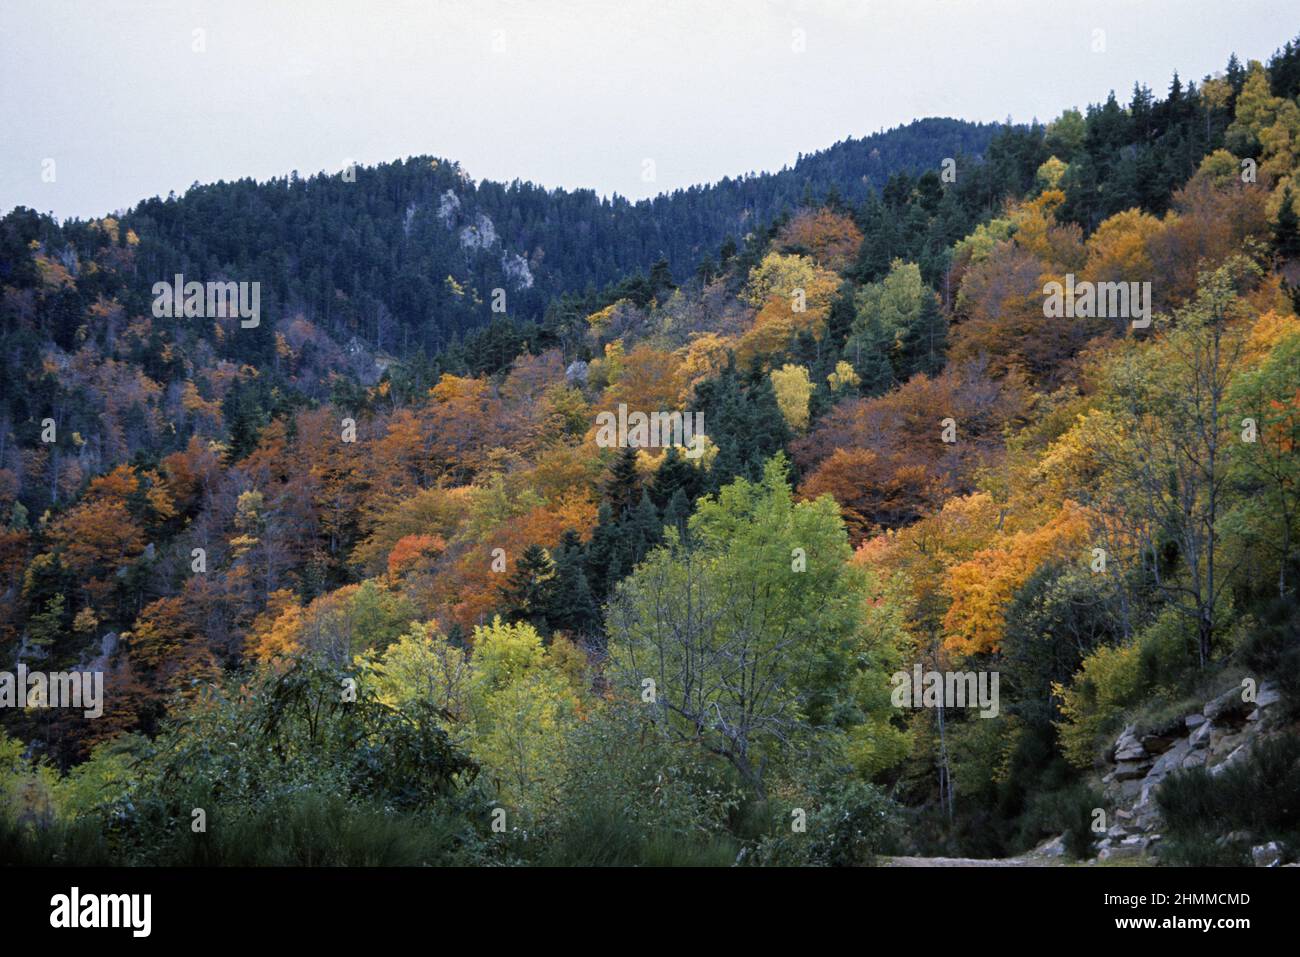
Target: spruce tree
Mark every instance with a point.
(623, 483)
(1286, 228)
(675, 473)
(573, 606)
(924, 342)
(529, 593)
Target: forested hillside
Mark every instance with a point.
(372, 568)
(406, 255)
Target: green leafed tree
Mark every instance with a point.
(755, 631)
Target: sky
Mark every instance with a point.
(105, 104)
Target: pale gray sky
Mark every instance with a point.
(574, 93)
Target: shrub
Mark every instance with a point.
(1067, 811)
(1091, 705)
(1273, 648)
(1259, 795)
(849, 822)
(597, 836)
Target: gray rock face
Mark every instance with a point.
(1216, 738)
(1222, 746)
(1170, 760)
(1227, 706)
(1053, 848)
(1195, 760)
(1157, 743)
(1267, 696)
(1130, 770)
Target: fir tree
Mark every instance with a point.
(924, 342)
(529, 593)
(1286, 228)
(573, 606)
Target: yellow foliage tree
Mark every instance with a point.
(983, 586)
(793, 390)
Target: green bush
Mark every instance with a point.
(1273, 648)
(595, 836)
(1259, 795)
(319, 830)
(1067, 811)
(848, 824)
(80, 843)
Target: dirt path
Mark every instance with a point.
(966, 862)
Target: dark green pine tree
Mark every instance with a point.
(879, 245)
(924, 342)
(644, 530)
(839, 323)
(675, 473)
(767, 432)
(529, 593)
(573, 607)
(1286, 228)
(868, 351)
(806, 349)
(661, 278)
(602, 552)
(678, 513)
(624, 483)
(821, 400)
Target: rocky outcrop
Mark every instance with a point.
(1216, 737)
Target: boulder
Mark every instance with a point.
(1237, 754)
(1130, 770)
(1134, 753)
(1267, 855)
(1053, 848)
(1158, 743)
(1267, 695)
(1125, 742)
(1228, 706)
(1194, 721)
